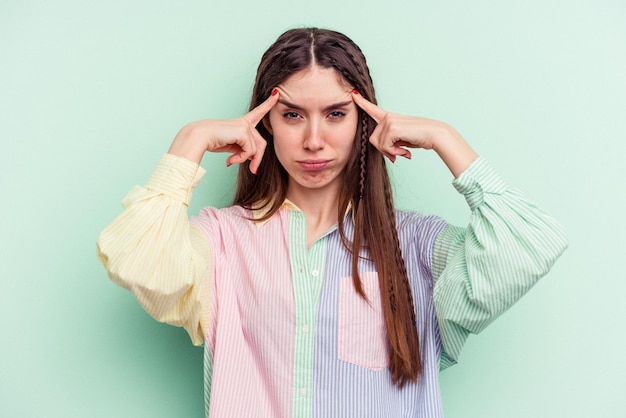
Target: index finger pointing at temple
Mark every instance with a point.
(370, 108)
(255, 115)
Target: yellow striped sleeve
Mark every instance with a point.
(482, 270)
(151, 249)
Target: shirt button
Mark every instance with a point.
(303, 392)
(305, 329)
(315, 273)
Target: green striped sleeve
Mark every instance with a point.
(482, 270)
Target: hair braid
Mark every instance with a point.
(364, 73)
(362, 159)
(345, 73)
(359, 212)
(398, 253)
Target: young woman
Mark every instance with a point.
(312, 295)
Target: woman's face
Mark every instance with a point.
(314, 124)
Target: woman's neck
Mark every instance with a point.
(319, 207)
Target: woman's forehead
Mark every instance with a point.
(314, 86)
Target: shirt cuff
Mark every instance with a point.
(477, 180)
(175, 177)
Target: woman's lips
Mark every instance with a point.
(313, 165)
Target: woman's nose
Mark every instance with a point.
(313, 139)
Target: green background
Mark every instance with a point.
(92, 94)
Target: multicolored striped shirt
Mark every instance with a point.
(284, 331)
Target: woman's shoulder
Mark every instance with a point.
(220, 215)
(212, 218)
(233, 210)
(234, 216)
(413, 225)
(410, 218)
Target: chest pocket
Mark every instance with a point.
(362, 334)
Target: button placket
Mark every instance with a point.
(307, 264)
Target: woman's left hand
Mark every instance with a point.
(395, 134)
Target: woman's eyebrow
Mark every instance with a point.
(327, 108)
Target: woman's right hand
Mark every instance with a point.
(238, 137)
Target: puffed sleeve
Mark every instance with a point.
(482, 270)
(151, 249)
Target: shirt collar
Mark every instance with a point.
(258, 214)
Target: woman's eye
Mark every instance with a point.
(291, 115)
(337, 114)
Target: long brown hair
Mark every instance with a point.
(366, 185)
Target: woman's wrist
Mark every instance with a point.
(455, 152)
(187, 146)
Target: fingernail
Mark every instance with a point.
(355, 91)
(255, 171)
(274, 93)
